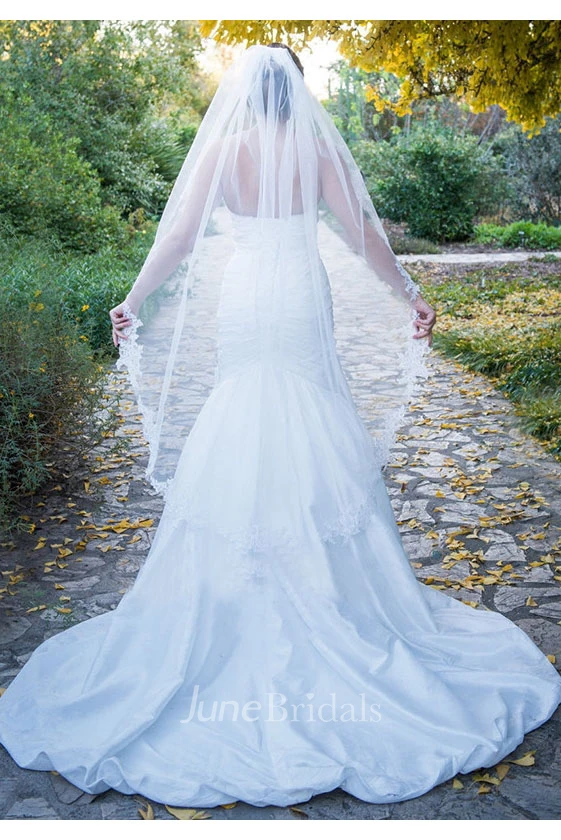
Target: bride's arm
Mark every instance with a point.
(339, 194)
(169, 252)
(180, 240)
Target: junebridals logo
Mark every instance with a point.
(277, 708)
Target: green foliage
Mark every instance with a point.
(91, 97)
(86, 286)
(346, 100)
(520, 235)
(534, 172)
(54, 340)
(405, 244)
(44, 184)
(432, 179)
(492, 324)
(96, 118)
(528, 370)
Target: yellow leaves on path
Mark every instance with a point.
(146, 812)
(527, 760)
(188, 813)
(117, 527)
(501, 770)
(125, 525)
(486, 779)
(113, 526)
(531, 602)
(299, 812)
(412, 523)
(492, 778)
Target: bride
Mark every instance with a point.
(276, 643)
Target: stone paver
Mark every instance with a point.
(468, 257)
(479, 509)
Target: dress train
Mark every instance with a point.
(276, 643)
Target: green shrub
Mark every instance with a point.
(406, 244)
(45, 185)
(51, 390)
(432, 179)
(55, 340)
(520, 235)
(86, 286)
(112, 89)
(533, 165)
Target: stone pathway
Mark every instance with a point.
(479, 509)
(466, 257)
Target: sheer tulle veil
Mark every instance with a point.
(276, 643)
(267, 149)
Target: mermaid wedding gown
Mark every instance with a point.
(276, 643)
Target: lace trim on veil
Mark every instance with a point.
(256, 539)
(130, 356)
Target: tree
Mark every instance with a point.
(512, 63)
(534, 173)
(108, 84)
(432, 178)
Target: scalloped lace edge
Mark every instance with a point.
(255, 540)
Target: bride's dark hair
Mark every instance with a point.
(277, 77)
(296, 60)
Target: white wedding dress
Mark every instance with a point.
(311, 660)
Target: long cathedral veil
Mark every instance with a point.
(267, 149)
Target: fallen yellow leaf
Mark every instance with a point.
(527, 760)
(501, 770)
(146, 812)
(188, 813)
(487, 778)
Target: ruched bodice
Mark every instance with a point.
(254, 231)
(268, 311)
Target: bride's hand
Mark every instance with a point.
(120, 321)
(426, 321)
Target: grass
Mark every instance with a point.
(505, 322)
